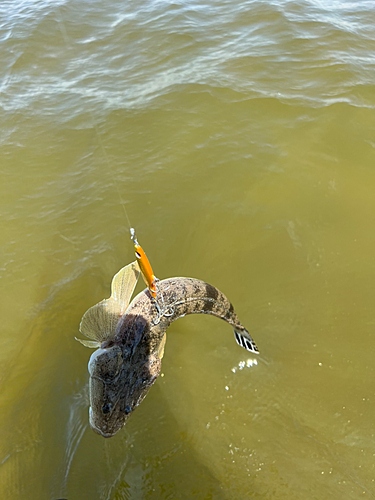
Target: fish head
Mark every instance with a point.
(119, 381)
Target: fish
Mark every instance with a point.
(128, 361)
(100, 321)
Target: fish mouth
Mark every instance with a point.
(96, 429)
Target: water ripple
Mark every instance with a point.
(61, 58)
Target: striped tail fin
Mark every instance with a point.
(244, 339)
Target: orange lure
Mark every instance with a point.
(144, 265)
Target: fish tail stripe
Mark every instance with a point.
(246, 343)
(238, 338)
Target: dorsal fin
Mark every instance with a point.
(100, 321)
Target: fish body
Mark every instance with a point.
(127, 364)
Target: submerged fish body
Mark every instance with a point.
(128, 363)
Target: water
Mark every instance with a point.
(241, 139)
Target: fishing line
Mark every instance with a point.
(143, 262)
(110, 168)
(68, 44)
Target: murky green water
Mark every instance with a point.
(241, 136)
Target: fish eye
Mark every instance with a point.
(127, 410)
(138, 255)
(106, 408)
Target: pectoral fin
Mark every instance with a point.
(123, 284)
(100, 321)
(89, 343)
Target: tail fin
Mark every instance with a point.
(244, 339)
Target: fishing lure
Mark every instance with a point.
(144, 265)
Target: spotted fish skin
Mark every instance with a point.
(124, 368)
